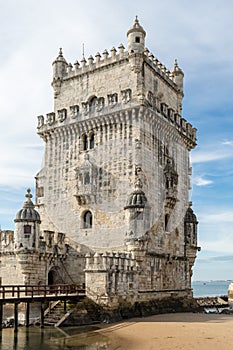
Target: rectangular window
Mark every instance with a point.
(27, 229)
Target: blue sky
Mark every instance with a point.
(198, 33)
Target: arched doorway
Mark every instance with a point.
(54, 276)
(51, 277)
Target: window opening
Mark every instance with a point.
(86, 179)
(87, 219)
(85, 143)
(27, 229)
(92, 141)
(166, 222)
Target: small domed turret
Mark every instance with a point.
(28, 213)
(136, 37)
(59, 66)
(27, 226)
(137, 199)
(190, 217)
(178, 76)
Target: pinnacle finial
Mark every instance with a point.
(28, 203)
(60, 52)
(136, 19)
(138, 184)
(28, 194)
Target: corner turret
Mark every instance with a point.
(136, 38)
(27, 226)
(59, 66)
(137, 212)
(178, 76)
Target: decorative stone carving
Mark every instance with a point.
(50, 118)
(126, 95)
(74, 110)
(164, 108)
(56, 84)
(40, 121)
(171, 182)
(62, 115)
(190, 228)
(99, 104)
(85, 106)
(112, 100)
(138, 143)
(86, 175)
(151, 99)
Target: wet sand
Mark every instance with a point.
(191, 331)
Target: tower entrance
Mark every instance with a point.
(54, 277)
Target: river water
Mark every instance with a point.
(210, 288)
(69, 338)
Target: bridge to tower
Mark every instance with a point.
(16, 294)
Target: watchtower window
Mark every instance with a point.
(87, 219)
(92, 141)
(166, 222)
(137, 39)
(85, 143)
(27, 229)
(86, 179)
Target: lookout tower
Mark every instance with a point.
(116, 176)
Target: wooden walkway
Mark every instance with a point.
(16, 294)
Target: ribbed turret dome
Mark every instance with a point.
(190, 216)
(28, 213)
(60, 57)
(137, 199)
(136, 27)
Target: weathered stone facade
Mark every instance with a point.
(116, 180)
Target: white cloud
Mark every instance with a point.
(216, 217)
(200, 181)
(228, 143)
(209, 156)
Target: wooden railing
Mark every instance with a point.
(22, 291)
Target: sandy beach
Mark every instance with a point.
(191, 331)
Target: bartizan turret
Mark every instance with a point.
(136, 38)
(178, 78)
(59, 66)
(27, 226)
(59, 71)
(137, 212)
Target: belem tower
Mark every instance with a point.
(113, 211)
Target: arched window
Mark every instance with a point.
(92, 141)
(85, 143)
(86, 179)
(87, 219)
(92, 103)
(166, 222)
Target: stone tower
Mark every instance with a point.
(116, 175)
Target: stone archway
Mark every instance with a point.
(54, 276)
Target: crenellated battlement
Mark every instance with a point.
(112, 57)
(110, 261)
